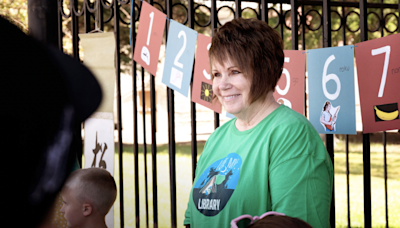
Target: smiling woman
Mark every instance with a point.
(268, 158)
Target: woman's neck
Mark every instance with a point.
(257, 113)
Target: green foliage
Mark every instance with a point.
(15, 11)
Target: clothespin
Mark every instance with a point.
(96, 19)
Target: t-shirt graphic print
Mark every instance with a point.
(216, 184)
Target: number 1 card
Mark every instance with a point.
(149, 37)
(331, 90)
(179, 57)
(378, 70)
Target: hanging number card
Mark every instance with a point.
(290, 88)
(378, 70)
(149, 37)
(331, 90)
(179, 57)
(202, 92)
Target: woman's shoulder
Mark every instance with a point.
(287, 116)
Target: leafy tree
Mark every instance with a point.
(15, 11)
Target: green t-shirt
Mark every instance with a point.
(279, 165)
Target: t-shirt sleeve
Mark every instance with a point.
(300, 179)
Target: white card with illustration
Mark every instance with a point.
(329, 116)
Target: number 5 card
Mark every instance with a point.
(290, 88)
(331, 90)
(179, 57)
(378, 69)
(149, 37)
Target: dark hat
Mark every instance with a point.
(44, 95)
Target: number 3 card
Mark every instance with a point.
(378, 69)
(290, 88)
(179, 57)
(202, 84)
(149, 37)
(331, 90)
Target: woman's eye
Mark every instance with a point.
(235, 72)
(217, 75)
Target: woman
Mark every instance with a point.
(268, 158)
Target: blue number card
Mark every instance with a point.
(331, 90)
(179, 57)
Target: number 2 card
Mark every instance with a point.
(331, 90)
(378, 71)
(179, 57)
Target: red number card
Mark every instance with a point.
(290, 88)
(202, 84)
(149, 37)
(378, 70)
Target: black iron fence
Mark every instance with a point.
(349, 22)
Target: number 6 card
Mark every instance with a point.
(331, 90)
(179, 57)
(378, 69)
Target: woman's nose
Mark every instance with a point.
(224, 83)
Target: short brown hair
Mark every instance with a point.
(255, 48)
(280, 222)
(95, 185)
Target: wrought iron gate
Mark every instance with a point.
(82, 15)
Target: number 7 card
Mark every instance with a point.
(378, 69)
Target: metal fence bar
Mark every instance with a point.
(366, 138)
(264, 10)
(382, 25)
(135, 118)
(238, 8)
(385, 175)
(367, 181)
(190, 15)
(348, 181)
(145, 149)
(59, 23)
(154, 146)
(327, 42)
(293, 17)
(214, 25)
(119, 108)
(171, 133)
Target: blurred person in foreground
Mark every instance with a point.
(45, 95)
(268, 158)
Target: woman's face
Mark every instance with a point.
(232, 88)
(328, 107)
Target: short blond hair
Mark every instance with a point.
(95, 186)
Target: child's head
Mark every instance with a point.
(87, 192)
(270, 219)
(280, 222)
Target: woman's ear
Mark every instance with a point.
(87, 209)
